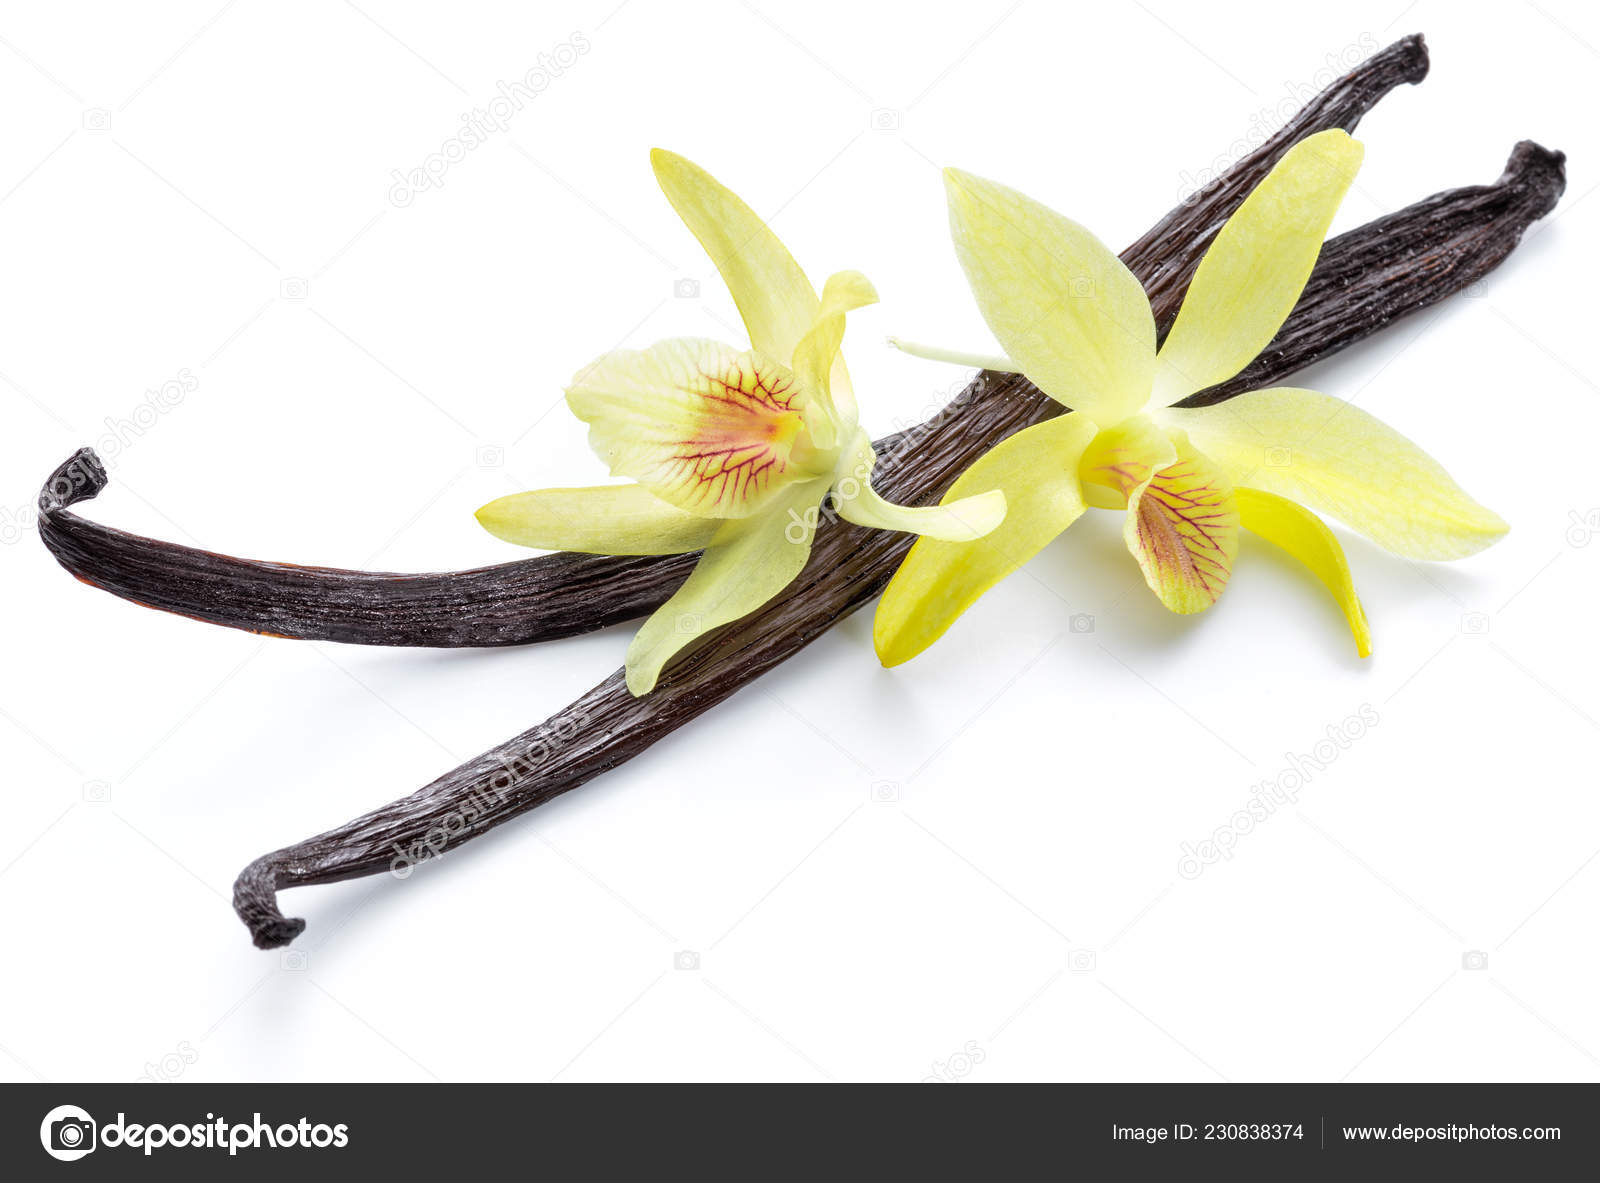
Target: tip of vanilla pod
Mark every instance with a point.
(78, 478)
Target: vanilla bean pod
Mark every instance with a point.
(562, 595)
(538, 599)
(849, 566)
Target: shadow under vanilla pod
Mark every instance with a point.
(1362, 281)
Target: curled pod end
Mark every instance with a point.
(79, 477)
(255, 899)
(1412, 51)
(1539, 170)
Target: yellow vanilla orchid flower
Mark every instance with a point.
(1080, 327)
(733, 451)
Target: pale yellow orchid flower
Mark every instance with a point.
(733, 451)
(1079, 326)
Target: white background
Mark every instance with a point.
(1019, 900)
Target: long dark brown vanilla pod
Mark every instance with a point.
(556, 595)
(608, 726)
(559, 595)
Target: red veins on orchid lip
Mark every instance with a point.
(1124, 470)
(1181, 527)
(742, 438)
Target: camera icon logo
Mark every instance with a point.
(885, 119)
(1081, 286)
(686, 289)
(292, 961)
(1584, 527)
(686, 959)
(1474, 959)
(67, 1133)
(491, 456)
(1474, 623)
(1279, 458)
(294, 288)
(15, 524)
(1081, 961)
(97, 119)
(1080, 622)
(97, 792)
(885, 792)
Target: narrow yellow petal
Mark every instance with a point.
(748, 563)
(605, 520)
(1059, 302)
(820, 368)
(961, 520)
(1303, 534)
(1037, 471)
(1254, 270)
(773, 295)
(1337, 459)
(700, 425)
(814, 360)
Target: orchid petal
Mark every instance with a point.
(1337, 459)
(1037, 470)
(1303, 534)
(961, 520)
(1181, 526)
(773, 295)
(709, 429)
(1255, 269)
(846, 291)
(606, 520)
(1060, 303)
(816, 358)
(1124, 457)
(749, 562)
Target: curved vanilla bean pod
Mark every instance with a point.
(1172, 248)
(608, 725)
(848, 566)
(553, 596)
(538, 599)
